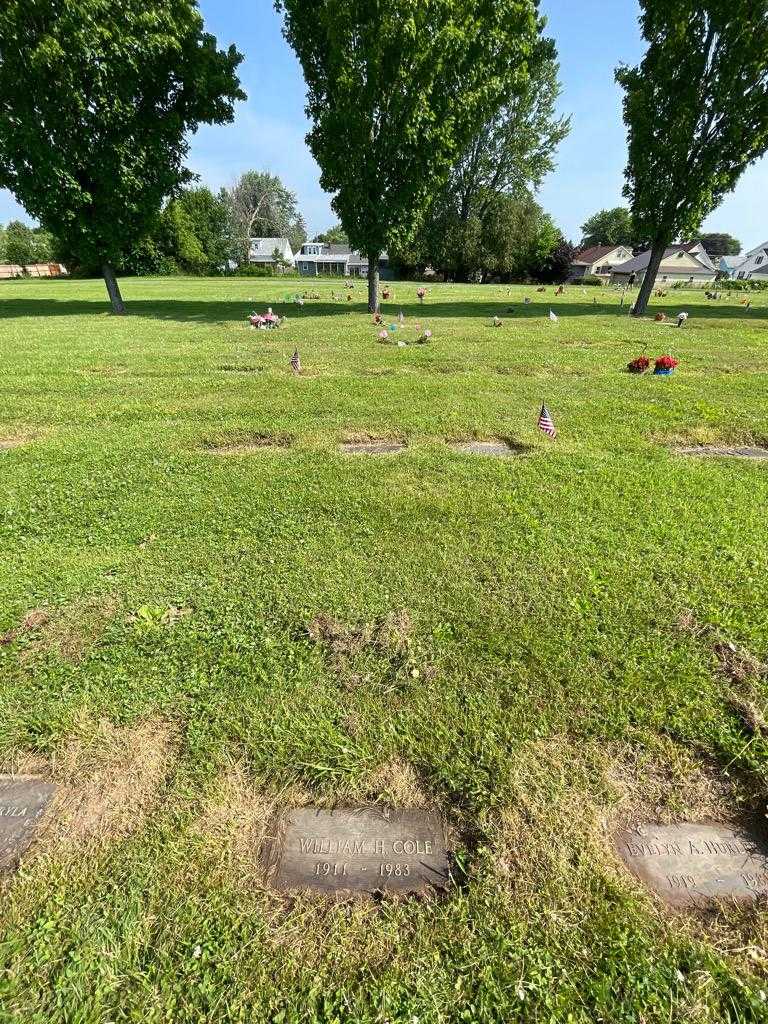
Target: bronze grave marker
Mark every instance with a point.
(363, 850)
(691, 865)
(23, 801)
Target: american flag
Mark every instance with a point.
(296, 362)
(545, 422)
(553, 316)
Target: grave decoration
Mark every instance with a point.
(694, 865)
(497, 321)
(681, 318)
(383, 335)
(660, 318)
(424, 337)
(364, 850)
(420, 294)
(664, 365)
(639, 365)
(264, 321)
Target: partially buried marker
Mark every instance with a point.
(496, 449)
(22, 803)
(713, 451)
(372, 447)
(694, 865)
(363, 850)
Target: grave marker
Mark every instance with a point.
(498, 449)
(714, 451)
(367, 849)
(691, 865)
(372, 447)
(23, 801)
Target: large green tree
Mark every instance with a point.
(395, 91)
(19, 244)
(335, 235)
(719, 244)
(260, 206)
(510, 154)
(696, 109)
(609, 227)
(97, 99)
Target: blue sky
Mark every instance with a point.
(592, 37)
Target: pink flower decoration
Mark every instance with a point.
(383, 335)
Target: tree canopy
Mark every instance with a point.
(719, 244)
(260, 206)
(696, 110)
(609, 227)
(93, 156)
(508, 155)
(396, 91)
(334, 235)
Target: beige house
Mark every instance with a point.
(11, 270)
(688, 262)
(598, 261)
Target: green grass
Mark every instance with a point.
(556, 694)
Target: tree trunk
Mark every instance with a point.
(113, 289)
(373, 282)
(657, 254)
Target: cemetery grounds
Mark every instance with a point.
(209, 613)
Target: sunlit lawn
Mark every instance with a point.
(540, 664)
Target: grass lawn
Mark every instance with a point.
(532, 646)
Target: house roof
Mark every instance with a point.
(266, 246)
(638, 263)
(595, 253)
(757, 250)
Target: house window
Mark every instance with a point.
(758, 260)
(741, 275)
(664, 278)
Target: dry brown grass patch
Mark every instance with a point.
(396, 783)
(736, 664)
(389, 638)
(14, 441)
(73, 630)
(109, 780)
(236, 820)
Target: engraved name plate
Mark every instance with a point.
(22, 803)
(691, 865)
(364, 850)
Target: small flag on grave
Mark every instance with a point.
(553, 316)
(545, 422)
(296, 362)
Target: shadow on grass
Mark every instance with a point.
(236, 311)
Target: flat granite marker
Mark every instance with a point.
(692, 865)
(362, 850)
(372, 447)
(23, 801)
(715, 452)
(497, 449)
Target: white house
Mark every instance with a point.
(262, 251)
(331, 258)
(599, 261)
(687, 261)
(754, 265)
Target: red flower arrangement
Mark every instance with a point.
(665, 363)
(639, 365)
